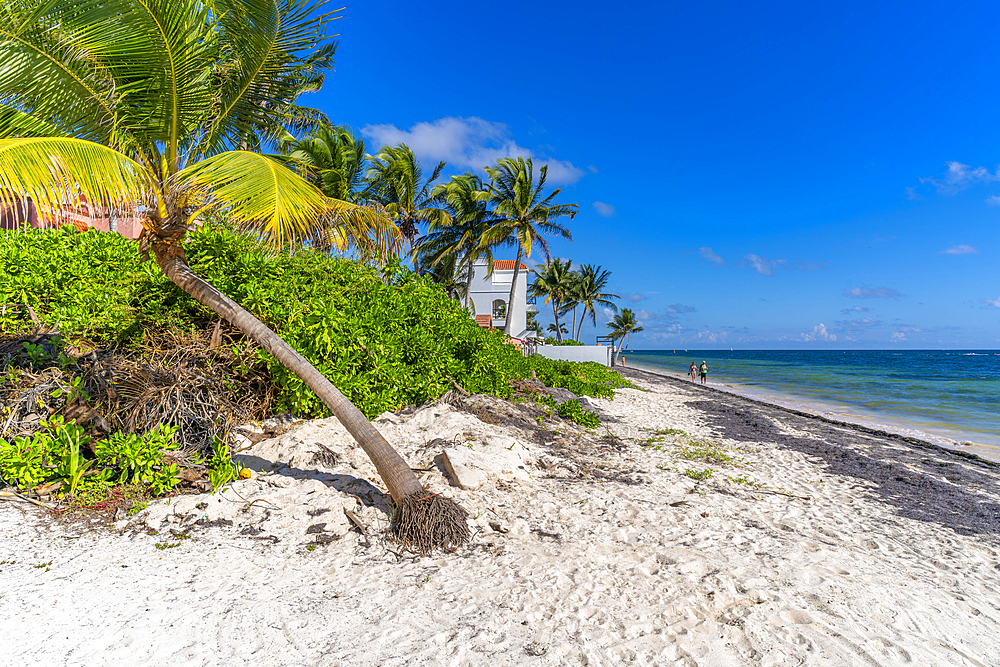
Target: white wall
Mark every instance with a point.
(599, 353)
(485, 290)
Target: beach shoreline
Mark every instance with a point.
(694, 527)
(827, 410)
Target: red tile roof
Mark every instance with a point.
(506, 265)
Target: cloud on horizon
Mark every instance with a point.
(960, 250)
(871, 293)
(707, 253)
(467, 143)
(607, 210)
(992, 303)
(818, 332)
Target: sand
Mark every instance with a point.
(817, 544)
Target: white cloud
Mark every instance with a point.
(858, 324)
(897, 337)
(992, 303)
(855, 309)
(679, 308)
(713, 337)
(872, 293)
(761, 265)
(607, 210)
(993, 200)
(960, 250)
(707, 253)
(467, 143)
(960, 176)
(818, 332)
(634, 298)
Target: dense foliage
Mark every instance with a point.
(385, 339)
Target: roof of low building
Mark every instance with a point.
(506, 265)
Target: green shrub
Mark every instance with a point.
(53, 455)
(573, 410)
(385, 340)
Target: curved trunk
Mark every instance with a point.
(513, 290)
(555, 316)
(579, 330)
(398, 477)
(573, 330)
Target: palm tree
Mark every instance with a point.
(622, 326)
(553, 282)
(395, 182)
(588, 293)
(523, 212)
(153, 104)
(334, 160)
(462, 234)
(572, 297)
(450, 274)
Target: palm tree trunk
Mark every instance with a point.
(468, 284)
(513, 290)
(403, 485)
(555, 315)
(579, 331)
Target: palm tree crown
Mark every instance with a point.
(396, 182)
(554, 282)
(461, 235)
(588, 292)
(524, 213)
(623, 324)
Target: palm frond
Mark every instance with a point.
(54, 171)
(257, 193)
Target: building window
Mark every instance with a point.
(499, 309)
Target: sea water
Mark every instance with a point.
(949, 397)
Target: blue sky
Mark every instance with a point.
(755, 175)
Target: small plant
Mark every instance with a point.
(573, 410)
(698, 475)
(166, 545)
(310, 547)
(743, 479)
(703, 450)
(222, 468)
(670, 431)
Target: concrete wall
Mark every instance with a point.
(599, 353)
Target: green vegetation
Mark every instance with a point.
(703, 450)
(385, 339)
(573, 410)
(52, 458)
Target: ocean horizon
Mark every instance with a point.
(947, 397)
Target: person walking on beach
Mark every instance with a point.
(703, 371)
(693, 371)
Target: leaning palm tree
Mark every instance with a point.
(525, 214)
(553, 282)
(588, 293)
(395, 181)
(152, 105)
(334, 160)
(461, 236)
(622, 326)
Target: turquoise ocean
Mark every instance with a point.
(944, 396)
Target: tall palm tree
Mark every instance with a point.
(334, 160)
(396, 182)
(462, 235)
(554, 283)
(622, 326)
(572, 298)
(588, 293)
(153, 104)
(524, 213)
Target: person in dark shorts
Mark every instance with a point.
(703, 372)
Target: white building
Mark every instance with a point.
(490, 293)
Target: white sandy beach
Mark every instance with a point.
(588, 550)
